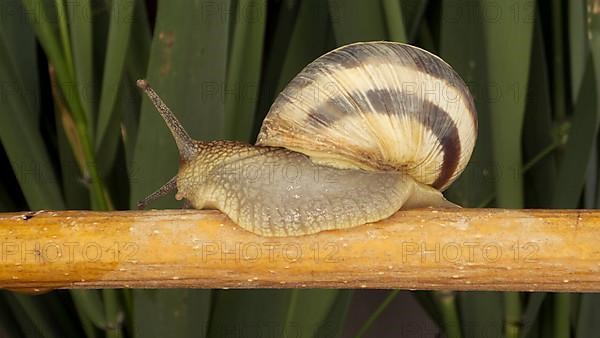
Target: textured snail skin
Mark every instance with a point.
(277, 192)
(361, 132)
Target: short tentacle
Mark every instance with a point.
(168, 187)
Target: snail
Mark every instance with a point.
(361, 132)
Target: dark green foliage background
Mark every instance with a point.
(93, 143)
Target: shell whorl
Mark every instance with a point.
(378, 106)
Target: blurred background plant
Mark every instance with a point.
(75, 134)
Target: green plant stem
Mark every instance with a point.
(562, 311)
(99, 196)
(65, 76)
(64, 36)
(100, 200)
(540, 156)
(446, 303)
(367, 324)
(512, 314)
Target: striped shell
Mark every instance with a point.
(378, 106)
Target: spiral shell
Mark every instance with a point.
(378, 106)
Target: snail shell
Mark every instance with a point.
(378, 106)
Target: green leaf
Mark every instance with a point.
(540, 127)
(109, 118)
(135, 68)
(81, 26)
(588, 324)
(114, 313)
(333, 324)
(244, 68)
(8, 322)
(283, 313)
(481, 313)
(578, 44)
(86, 324)
(42, 320)
(414, 11)
(562, 311)
(74, 186)
(508, 37)
(391, 296)
(531, 313)
(358, 20)
(242, 311)
(425, 299)
(23, 318)
(89, 304)
(19, 124)
(394, 21)
(41, 17)
(588, 102)
(314, 311)
(582, 135)
(171, 313)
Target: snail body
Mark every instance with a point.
(361, 132)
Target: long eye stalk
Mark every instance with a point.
(185, 144)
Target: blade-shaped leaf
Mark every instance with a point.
(135, 68)
(578, 43)
(109, 118)
(81, 26)
(19, 129)
(89, 303)
(531, 313)
(171, 313)
(481, 313)
(357, 20)
(244, 311)
(588, 324)
(244, 68)
(315, 311)
(589, 305)
(8, 322)
(35, 312)
(394, 20)
(508, 50)
(414, 11)
(582, 135)
(540, 134)
(332, 325)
